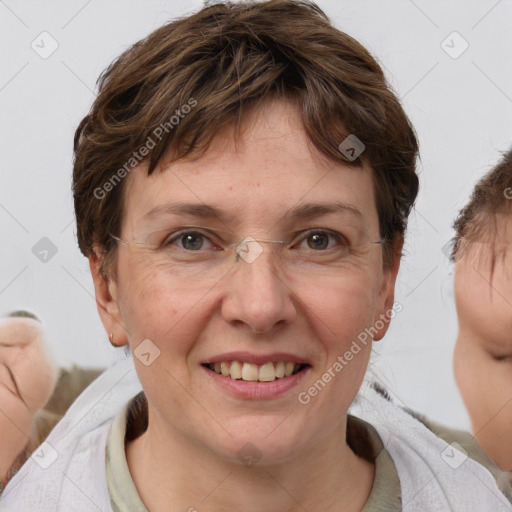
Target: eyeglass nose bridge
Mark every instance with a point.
(249, 248)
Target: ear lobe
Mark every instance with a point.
(386, 297)
(106, 291)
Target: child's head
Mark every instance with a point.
(24, 353)
(27, 379)
(483, 295)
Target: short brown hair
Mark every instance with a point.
(491, 195)
(223, 60)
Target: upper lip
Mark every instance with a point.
(259, 359)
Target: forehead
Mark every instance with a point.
(271, 169)
(489, 239)
(484, 267)
(483, 283)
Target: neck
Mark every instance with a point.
(168, 467)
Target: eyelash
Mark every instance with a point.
(312, 231)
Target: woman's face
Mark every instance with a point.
(483, 353)
(301, 302)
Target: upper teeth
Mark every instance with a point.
(250, 371)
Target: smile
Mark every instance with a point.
(267, 372)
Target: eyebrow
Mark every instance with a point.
(205, 211)
(312, 210)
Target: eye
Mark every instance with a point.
(190, 240)
(503, 359)
(319, 239)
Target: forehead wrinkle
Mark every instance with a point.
(201, 210)
(205, 211)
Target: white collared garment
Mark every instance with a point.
(68, 471)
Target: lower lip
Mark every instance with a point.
(255, 390)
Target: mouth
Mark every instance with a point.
(251, 372)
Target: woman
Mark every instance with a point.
(220, 151)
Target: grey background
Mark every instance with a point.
(461, 108)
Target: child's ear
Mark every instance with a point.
(106, 290)
(386, 298)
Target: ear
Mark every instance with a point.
(106, 290)
(385, 301)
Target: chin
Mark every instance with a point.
(260, 444)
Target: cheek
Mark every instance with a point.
(344, 348)
(341, 317)
(482, 307)
(152, 304)
(155, 307)
(34, 374)
(459, 367)
(492, 415)
(486, 388)
(470, 368)
(345, 308)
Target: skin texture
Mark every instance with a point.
(188, 455)
(483, 352)
(27, 378)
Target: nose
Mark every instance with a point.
(257, 294)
